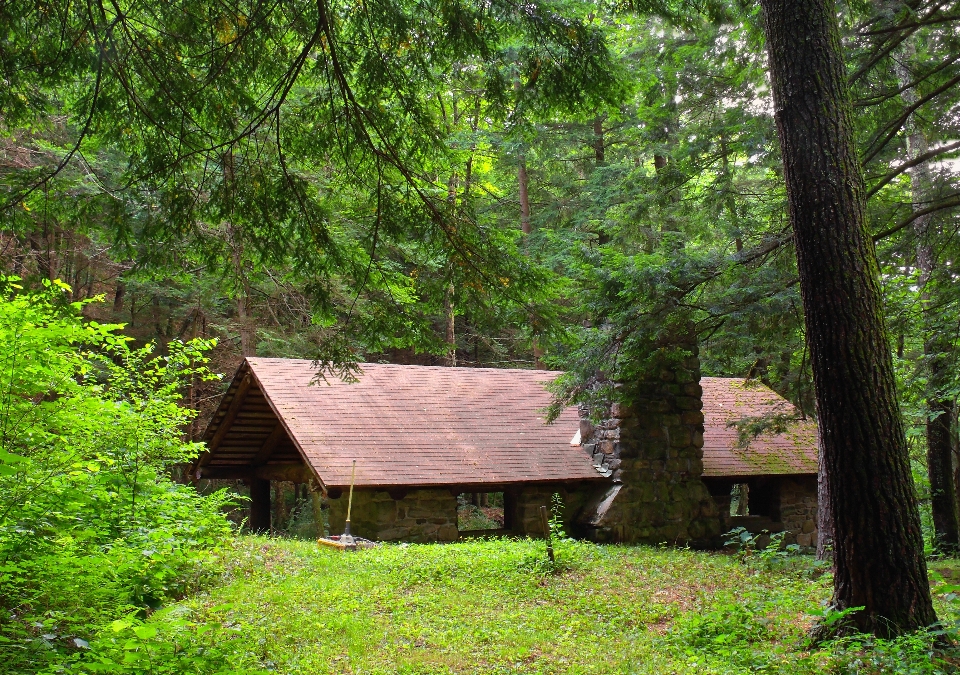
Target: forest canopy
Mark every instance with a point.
(549, 184)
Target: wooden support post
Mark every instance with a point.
(259, 505)
(281, 514)
(317, 506)
(510, 516)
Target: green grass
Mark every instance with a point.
(470, 517)
(491, 606)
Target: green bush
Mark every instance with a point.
(913, 654)
(91, 525)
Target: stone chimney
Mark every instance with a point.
(651, 445)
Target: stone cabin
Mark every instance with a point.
(779, 470)
(423, 435)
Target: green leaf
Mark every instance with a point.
(145, 632)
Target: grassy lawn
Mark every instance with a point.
(491, 607)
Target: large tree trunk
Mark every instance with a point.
(118, 294)
(600, 156)
(248, 330)
(824, 512)
(317, 505)
(943, 496)
(878, 547)
(449, 308)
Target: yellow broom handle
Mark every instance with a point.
(353, 473)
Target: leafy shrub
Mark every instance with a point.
(913, 654)
(568, 553)
(730, 633)
(91, 525)
(169, 646)
(774, 555)
(470, 517)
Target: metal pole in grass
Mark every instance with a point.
(546, 531)
(346, 526)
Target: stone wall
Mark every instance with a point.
(798, 509)
(720, 490)
(652, 448)
(525, 504)
(420, 516)
(775, 503)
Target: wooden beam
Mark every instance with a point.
(294, 473)
(238, 472)
(269, 445)
(232, 411)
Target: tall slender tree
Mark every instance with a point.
(936, 342)
(879, 563)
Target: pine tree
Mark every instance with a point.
(879, 563)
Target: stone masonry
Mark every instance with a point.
(652, 448)
(526, 503)
(798, 509)
(420, 516)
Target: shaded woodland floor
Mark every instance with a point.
(497, 606)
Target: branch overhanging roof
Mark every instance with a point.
(415, 425)
(439, 426)
(733, 409)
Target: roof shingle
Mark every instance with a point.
(424, 425)
(727, 400)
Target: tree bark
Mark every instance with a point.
(523, 184)
(248, 332)
(943, 496)
(600, 156)
(450, 327)
(281, 515)
(599, 149)
(317, 507)
(824, 512)
(743, 499)
(118, 294)
(449, 307)
(878, 546)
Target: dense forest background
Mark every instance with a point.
(544, 218)
(554, 185)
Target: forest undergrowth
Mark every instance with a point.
(109, 566)
(498, 606)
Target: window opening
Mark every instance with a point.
(480, 511)
(740, 500)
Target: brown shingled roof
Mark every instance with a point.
(435, 426)
(728, 400)
(419, 425)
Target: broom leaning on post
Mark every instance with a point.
(346, 541)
